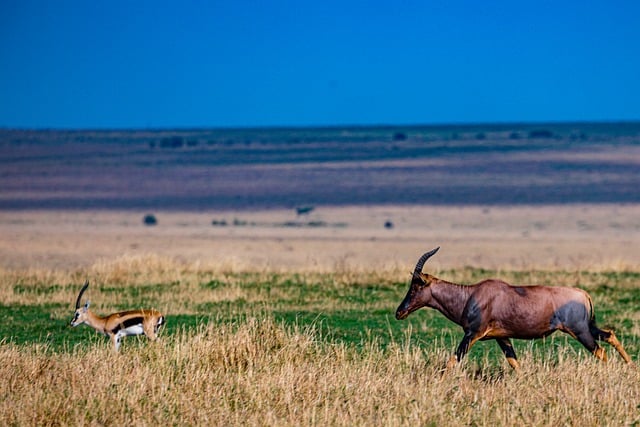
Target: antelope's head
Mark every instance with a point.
(81, 312)
(419, 293)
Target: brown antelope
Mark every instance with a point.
(121, 324)
(493, 309)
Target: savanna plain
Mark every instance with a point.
(277, 317)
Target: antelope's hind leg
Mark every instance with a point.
(509, 352)
(588, 340)
(609, 337)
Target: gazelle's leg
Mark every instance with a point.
(150, 331)
(158, 324)
(116, 338)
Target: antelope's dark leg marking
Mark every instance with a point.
(587, 340)
(507, 348)
(465, 345)
(509, 352)
(599, 334)
(586, 337)
(472, 324)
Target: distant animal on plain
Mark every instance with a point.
(493, 309)
(118, 325)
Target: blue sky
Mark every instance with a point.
(155, 64)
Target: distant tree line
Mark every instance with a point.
(175, 142)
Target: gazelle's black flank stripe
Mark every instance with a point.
(138, 320)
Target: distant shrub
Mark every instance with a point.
(481, 136)
(149, 219)
(388, 225)
(172, 142)
(303, 210)
(192, 142)
(219, 222)
(399, 136)
(540, 133)
(316, 224)
(290, 224)
(298, 224)
(514, 135)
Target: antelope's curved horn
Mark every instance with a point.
(84, 288)
(424, 259)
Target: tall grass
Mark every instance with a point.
(287, 348)
(258, 372)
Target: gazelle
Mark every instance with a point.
(121, 324)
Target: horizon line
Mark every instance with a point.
(461, 124)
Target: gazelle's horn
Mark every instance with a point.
(84, 288)
(424, 259)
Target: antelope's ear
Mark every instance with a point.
(86, 306)
(425, 278)
(420, 278)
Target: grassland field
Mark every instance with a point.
(294, 325)
(290, 348)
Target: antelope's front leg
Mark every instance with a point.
(467, 341)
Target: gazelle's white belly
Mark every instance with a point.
(132, 330)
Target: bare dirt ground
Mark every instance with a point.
(330, 238)
(495, 196)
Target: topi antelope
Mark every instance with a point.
(493, 309)
(118, 325)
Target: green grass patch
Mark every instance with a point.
(26, 324)
(353, 311)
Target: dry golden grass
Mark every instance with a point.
(261, 373)
(256, 371)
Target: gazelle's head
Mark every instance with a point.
(419, 294)
(80, 315)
